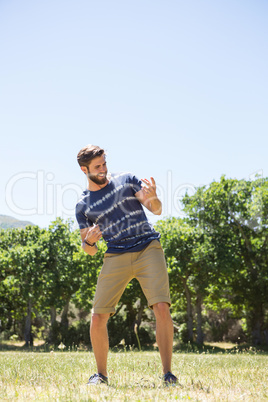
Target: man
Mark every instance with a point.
(111, 208)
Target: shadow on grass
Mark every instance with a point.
(182, 348)
(197, 349)
(213, 349)
(42, 348)
(4, 347)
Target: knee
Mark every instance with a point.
(99, 320)
(161, 311)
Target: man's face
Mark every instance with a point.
(97, 170)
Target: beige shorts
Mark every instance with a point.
(148, 266)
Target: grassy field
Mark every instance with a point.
(134, 376)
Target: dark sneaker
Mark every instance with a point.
(170, 379)
(97, 379)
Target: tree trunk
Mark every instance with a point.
(28, 326)
(256, 325)
(266, 336)
(139, 314)
(64, 315)
(53, 315)
(137, 322)
(64, 323)
(256, 321)
(200, 335)
(52, 338)
(256, 333)
(189, 311)
(130, 324)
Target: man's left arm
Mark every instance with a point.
(148, 197)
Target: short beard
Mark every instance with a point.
(96, 180)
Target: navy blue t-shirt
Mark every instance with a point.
(118, 213)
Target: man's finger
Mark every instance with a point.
(146, 181)
(153, 181)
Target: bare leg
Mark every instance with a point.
(100, 341)
(164, 334)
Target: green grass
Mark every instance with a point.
(134, 376)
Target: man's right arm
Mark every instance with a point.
(89, 237)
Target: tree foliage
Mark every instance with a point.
(234, 215)
(217, 259)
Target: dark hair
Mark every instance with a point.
(89, 152)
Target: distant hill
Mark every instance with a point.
(7, 222)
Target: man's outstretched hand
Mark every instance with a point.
(149, 188)
(148, 197)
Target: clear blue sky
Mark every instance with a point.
(176, 90)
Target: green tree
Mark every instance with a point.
(63, 272)
(11, 306)
(190, 261)
(235, 215)
(23, 273)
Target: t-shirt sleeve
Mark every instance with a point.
(136, 183)
(82, 220)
